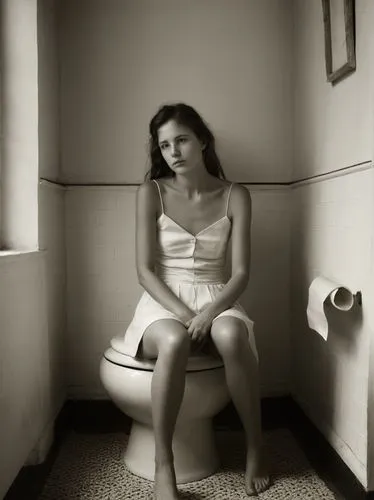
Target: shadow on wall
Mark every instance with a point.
(266, 298)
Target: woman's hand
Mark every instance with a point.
(186, 316)
(199, 327)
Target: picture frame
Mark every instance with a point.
(339, 27)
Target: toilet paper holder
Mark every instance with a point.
(340, 298)
(358, 298)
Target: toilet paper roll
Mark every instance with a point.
(320, 290)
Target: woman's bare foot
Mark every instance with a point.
(165, 487)
(256, 477)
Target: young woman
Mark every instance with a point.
(186, 213)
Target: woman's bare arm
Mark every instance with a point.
(241, 210)
(146, 234)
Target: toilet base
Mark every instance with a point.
(195, 454)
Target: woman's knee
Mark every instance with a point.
(229, 336)
(165, 337)
(174, 340)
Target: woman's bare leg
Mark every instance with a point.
(231, 340)
(167, 340)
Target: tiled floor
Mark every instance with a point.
(102, 416)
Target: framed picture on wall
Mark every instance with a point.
(339, 25)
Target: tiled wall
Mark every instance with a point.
(52, 239)
(32, 358)
(102, 289)
(332, 236)
(24, 379)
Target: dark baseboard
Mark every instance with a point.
(103, 416)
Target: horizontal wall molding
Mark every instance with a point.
(340, 172)
(119, 185)
(350, 169)
(52, 184)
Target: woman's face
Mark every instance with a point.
(180, 147)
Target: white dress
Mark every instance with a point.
(193, 268)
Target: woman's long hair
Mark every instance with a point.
(184, 115)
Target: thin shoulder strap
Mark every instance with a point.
(228, 199)
(159, 192)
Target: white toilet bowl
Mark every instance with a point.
(128, 383)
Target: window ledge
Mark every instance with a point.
(17, 254)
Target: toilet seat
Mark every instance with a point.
(197, 362)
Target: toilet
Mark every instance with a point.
(127, 381)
